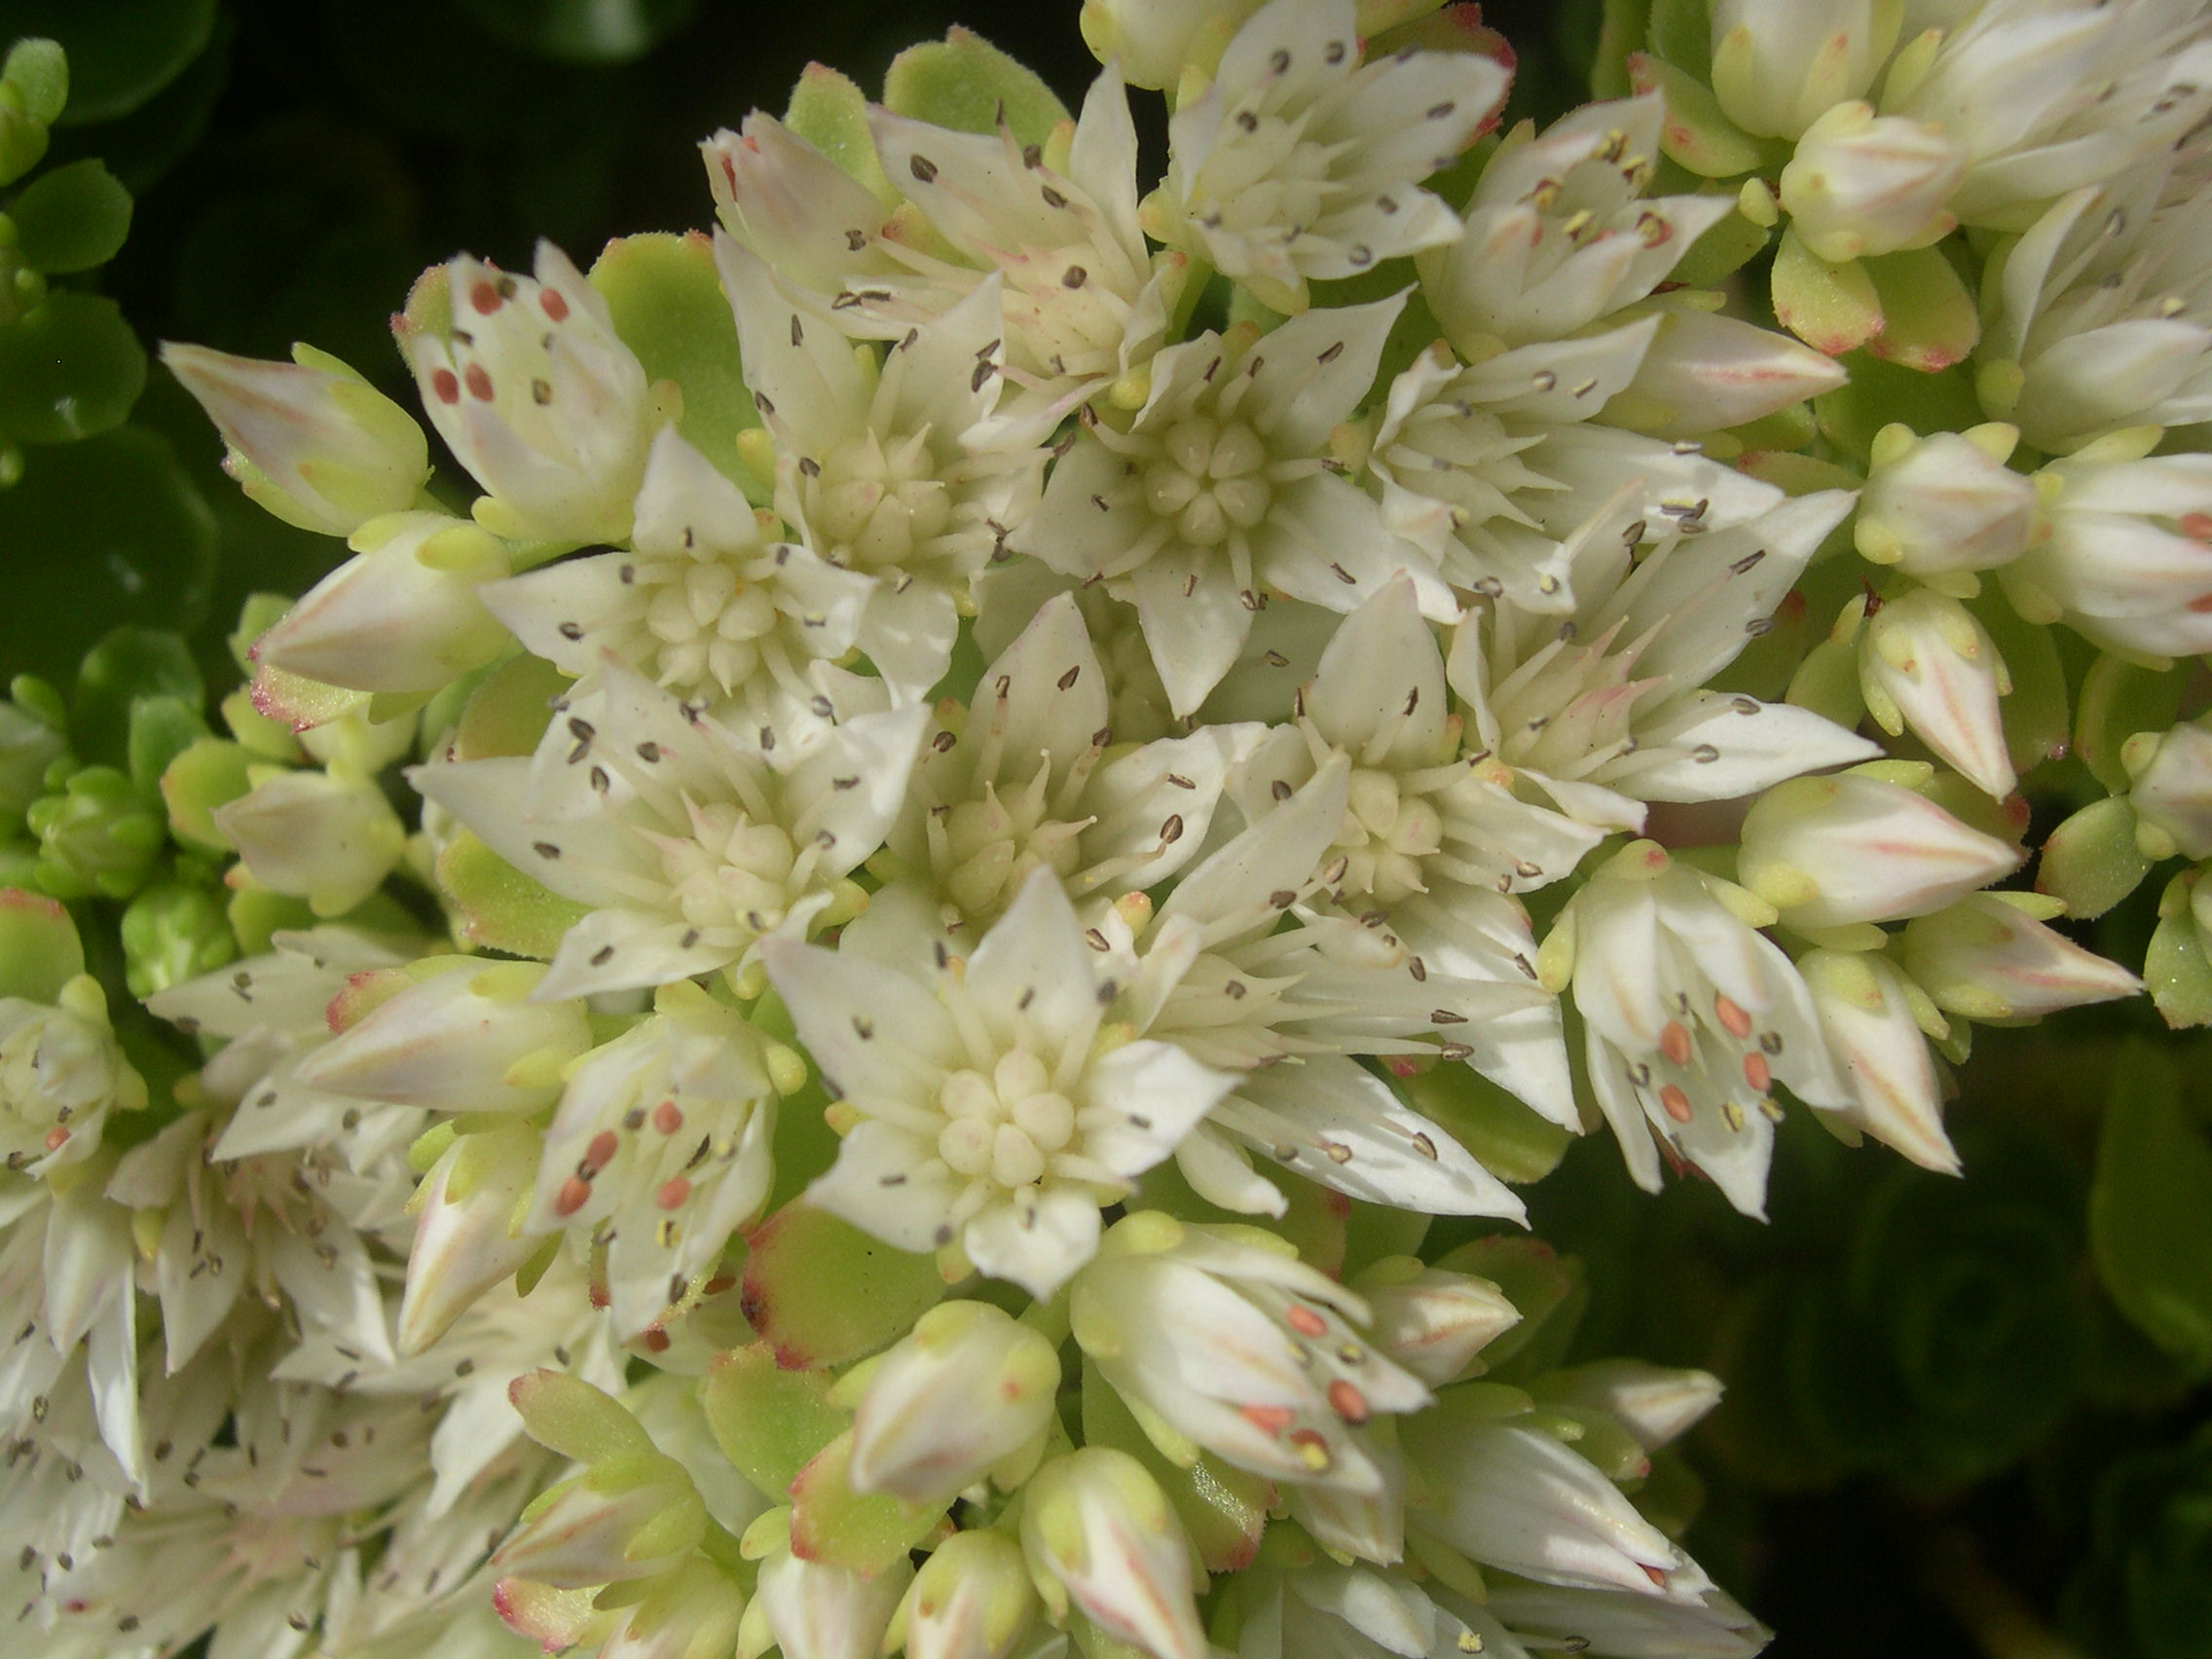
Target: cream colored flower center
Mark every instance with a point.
(731, 871)
(1387, 833)
(1210, 477)
(989, 846)
(705, 620)
(871, 507)
(1004, 1126)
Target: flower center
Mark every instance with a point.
(989, 846)
(1570, 709)
(1006, 1126)
(730, 872)
(1387, 833)
(871, 507)
(704, 621)
(1209, 476)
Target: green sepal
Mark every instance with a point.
(1223, 1509)
(40, 951)
(509, 710)
(499, 908)
(967, 84)
(1929, 319)
(830, 111)
(1681, 32)
(865, 1531)
(72, 218)
(1695, 134)
(1618, 1454)
(668, 308)
(820, 1292)
(257, 916)
(2151, 1208)
(1725, 248)
(1507, 1136)
(2175, 969)
(2118, 700)
(2035, 714)
(1832, 308)
(566, 1415)
(1826, 682)
(770, 1422)
(70, 369)
(2091, 860)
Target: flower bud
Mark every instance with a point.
(968, 1393)
(401, 615)
(971, 1599)
(34, 84)
(695, 1613)
(1655, 1403)
(2171, 789)
(814, 1612)
(1945, 503)
(1988, 958)
(172, 932)
(538, 397)
(1779, 64)
(309, 440)
(1861, 184)
(1100, 1534)
(33, 735)
(1156, 39)
(1434, 1323)
(465, 1039)
(1831, 851)
(1704, 372)
(466, 1239)
(95, 836)
(61, 1072)
(1867, 1012)
(328, 837)
(1925, 663)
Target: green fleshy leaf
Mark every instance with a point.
(499, 908)
(2118, 700)
(2151, 1208)
(830, 111)
(162, 727)
(1831, 308)
(1929, 319)
(509, 710)
(820, 1292)
(1507, 1137)
(2175, 968)
(39, 949)
(70, 369)
(668, 308)
(770, 1421)
(1879, 393)
(583, 31)
(967, 84)
(865, 1531)
(121, 52)
(72, 218)
(37, 72)
(2091, 860)
(130, 664)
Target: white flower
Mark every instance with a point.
(968, 1393)
(1690, 1018)
(1029, 775)
(1512, 1496)
(401, 615)
(466, 1239)
(1946, 505)
(1877, 1023)
(1620, 1624)
(533, 389)
(702, 606)
(1299, 162)
(1777, 64)
(2170, 787)
(1223, 489)
(1861, 847)
(1236, 1345)
(690, 843)
(1862, 184)
(897, 474)
(2048, 96)
(1990, 957)
(309, 440)
(1558, 232)
(995, 1107)
(660, 1145)
(2128, 562)
(1100, 1534)
(61, 1072)
(1656, 1404)
(1925, 662)
(1704, 372)
(328, 836)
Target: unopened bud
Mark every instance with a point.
(1861, 184)
(1924, 662)
(2171, 789)
(1436, 1324)
(1945, 505)
(1779, 64)
(172, 932)
(328, 837)
(1655, 1403)
(1988, 958)
(95, 836)
(1100, 1534)
(1868, 1014)
(466, 1236)
(971, 1599)
(968, 1393)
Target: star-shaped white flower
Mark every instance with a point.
(690, 842)
(997, 1106)
(1299, 162)
(1223, 489)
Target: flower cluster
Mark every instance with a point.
(823, 1000)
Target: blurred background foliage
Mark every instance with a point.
(1963, 1416)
